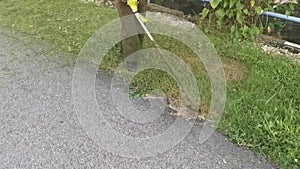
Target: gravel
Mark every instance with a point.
(295, 56)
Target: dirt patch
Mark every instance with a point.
(235, 70)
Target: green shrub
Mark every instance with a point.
(241, 18)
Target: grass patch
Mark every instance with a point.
(65, 24)
(263, 102)
(263, 112)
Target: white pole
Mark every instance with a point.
(137, 15)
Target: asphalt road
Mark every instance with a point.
(39, 127)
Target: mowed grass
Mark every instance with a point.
(65, 24)
(263, 91)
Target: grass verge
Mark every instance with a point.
(263, 102)
(263, 112)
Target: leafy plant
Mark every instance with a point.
(242, 17)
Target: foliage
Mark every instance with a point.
(241, 17)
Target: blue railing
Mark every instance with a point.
(282, 16)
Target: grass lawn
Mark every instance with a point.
(263, 91)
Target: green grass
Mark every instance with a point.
(263, 102)
(151, 79)
(65, 24)
(263, 112)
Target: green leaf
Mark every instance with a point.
(237, 34)
(206, 29)
(214, 3)
(225, 3)
(239, 6)
(291, 6)
(271, 26)
(229, 13)
(220, 13)
(231, 3)
(239, 18)
(258, 10)
(256, 30)
(233, 28)
(205, 12)
(252, 3)
(219, 24)
(246, 11)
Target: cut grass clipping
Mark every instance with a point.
(263, 102)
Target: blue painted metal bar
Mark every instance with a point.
(282, 16)
(276, 15)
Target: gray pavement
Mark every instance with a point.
(39, 127)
